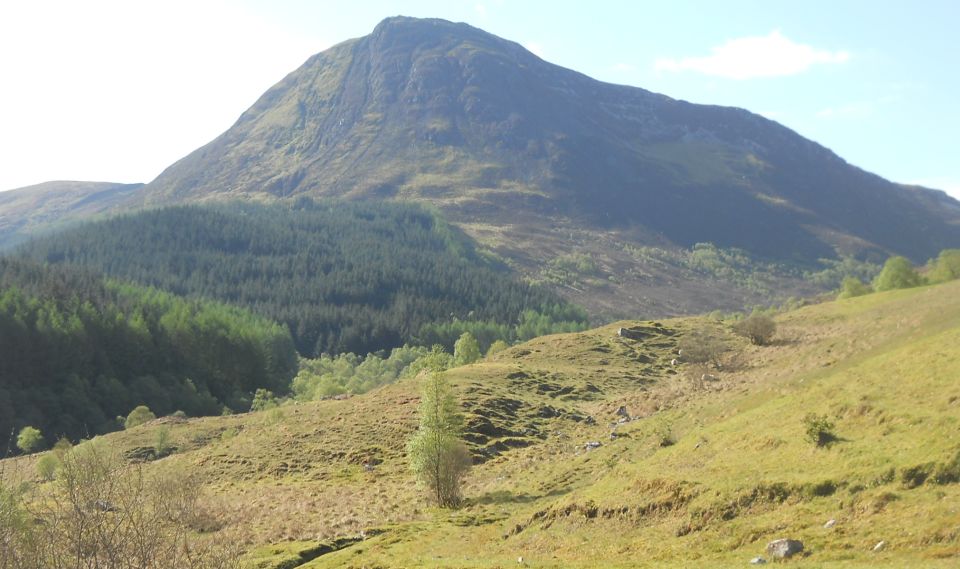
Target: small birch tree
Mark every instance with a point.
(438, 456)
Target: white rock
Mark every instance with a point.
(879, 547)
(830, 524)
(758, 561)
(784, 548)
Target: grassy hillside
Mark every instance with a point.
(44, 207)
(705, 473)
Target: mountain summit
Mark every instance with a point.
(444, 112)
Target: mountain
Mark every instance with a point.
(45, 206)
(609, 194)
(444, 112)
(703, 473)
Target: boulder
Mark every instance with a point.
(758, 561)
(592, 445)
(784, 548)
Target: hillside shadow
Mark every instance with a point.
(510, 497)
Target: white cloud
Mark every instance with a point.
(773, 55)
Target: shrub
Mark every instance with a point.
(161, 444)
(62, 446)
(946, 267)
(496, 347)
(140, 415)
(30, 440)
(852, 286)
(466, 350)
(665, 435)
(263, 399)
(821, 489)
(702, 346)
(102, 512)
(819, 429)
(758, 328)
(947, 472)
(897, 273)
(915, 476)
(47, 466)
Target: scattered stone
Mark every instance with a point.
(592, 445)
(630, 334)
(879, 547)
(758, 561)
(784, 548)
(520, 560)
(673, 362)
(613, 435)
(622, 412)
(548, 412)
(623, 420)
(829, 524)
(102, 506)
(590, 420)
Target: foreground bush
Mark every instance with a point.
(758, 328)
(101, 512)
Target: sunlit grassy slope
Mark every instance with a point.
(884, 368)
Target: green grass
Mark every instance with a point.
(883, 368)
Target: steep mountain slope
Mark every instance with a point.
(432, 110)
(311, 478)
(45, 206)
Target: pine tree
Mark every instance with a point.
(438, 456)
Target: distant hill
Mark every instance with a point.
(25, 211)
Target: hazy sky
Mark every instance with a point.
(118, 90)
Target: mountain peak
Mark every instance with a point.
(432, 110)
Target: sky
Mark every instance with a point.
(116, 90)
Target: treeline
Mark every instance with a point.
(898, 273)
(344, 277)
(78, 351)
